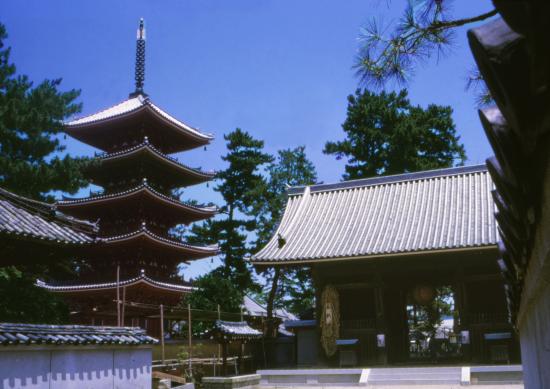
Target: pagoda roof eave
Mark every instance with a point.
(143, 189)
(196, 252)
(152, 151)
(131, 107)
(127, 283)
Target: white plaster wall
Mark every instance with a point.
(133, 368)
(24, 369)
(75, 367)
(82, 369)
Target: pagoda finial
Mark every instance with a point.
(140, 60)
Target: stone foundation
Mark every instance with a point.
(241, 382)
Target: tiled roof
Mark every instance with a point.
(149, 235)
(32, 219)
(255, 309)
(27, 334)
(416, 212)
(141, 279)
(132, 105)
(237, 330)
(150, 148)
(143, 187)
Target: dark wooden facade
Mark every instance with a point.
(408, 264)
(374, 297)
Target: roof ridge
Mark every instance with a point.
(391, 179)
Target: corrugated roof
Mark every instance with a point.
(432, 210)
(27, 334)
(131, 105)
(27, 218)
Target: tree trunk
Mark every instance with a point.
(270, 322)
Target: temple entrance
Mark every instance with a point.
(432, 324)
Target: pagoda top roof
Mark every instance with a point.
(132, 107)
(141, 279)
(23, 217)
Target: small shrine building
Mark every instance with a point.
(404, 264)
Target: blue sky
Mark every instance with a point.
(278, 69)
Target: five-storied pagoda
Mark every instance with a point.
(135, 263)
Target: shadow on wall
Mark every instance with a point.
(40, 368)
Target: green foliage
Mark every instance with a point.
(213, 289)
(31, 119)
(427, 318)
(386, 134)
(23, 302)
(392, 52)
(241, 184)
(290, 288)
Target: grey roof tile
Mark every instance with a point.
(23, 217)
(237, 330)
(433, 210)
(25, 334)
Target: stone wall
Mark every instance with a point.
(242, 382)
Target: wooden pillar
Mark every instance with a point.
(162, 332)
(318, 286)
(224, 358)
(123, 305)
(190, 336)
(118, 295)
(381, 325)
(219, 345)
(240, 357)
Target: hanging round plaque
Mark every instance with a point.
(330, 319)
(423, 294)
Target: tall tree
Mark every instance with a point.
(284, 286)
(392, 52)
(31, 119)
(386, 134)
(240, 185)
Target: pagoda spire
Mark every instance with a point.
(140, 60)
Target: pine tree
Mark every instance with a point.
(289, 287)
(241, 184)
(31, 120)
(386, 134)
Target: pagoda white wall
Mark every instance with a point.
(82, 367)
